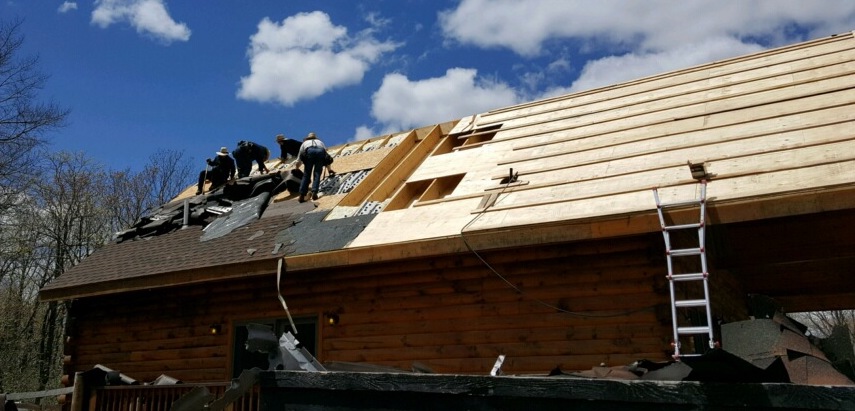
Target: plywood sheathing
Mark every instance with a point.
(777, 123)
(362, 160)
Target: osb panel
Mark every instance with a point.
(360, 161)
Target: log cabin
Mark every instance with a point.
(529, 231)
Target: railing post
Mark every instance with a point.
(77, 399)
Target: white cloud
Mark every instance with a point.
(67, 6)
(524, 26)
(306, 56)
(633, 39)
(148, 17)
(401, 104)
(617, 69)
(363, 133)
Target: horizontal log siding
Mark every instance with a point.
(581, 305)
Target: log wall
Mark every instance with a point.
(571, 306)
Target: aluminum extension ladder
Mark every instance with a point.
(694, 252)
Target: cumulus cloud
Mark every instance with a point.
(525, 27)
(306, 56)
(149, 17)
(617, 69)
(400, 104)
(636, 39)
(362, 132)
(67, 6)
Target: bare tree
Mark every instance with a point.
(822, 323)
(65, 214)
(69, 201)
(168, 171)
(18, 315)
(24, 120)
(134, 194)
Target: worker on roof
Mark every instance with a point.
(222, 169)
(289, 147)
(245, 153)
(313, 154)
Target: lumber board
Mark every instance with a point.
(562, 203)
(406, 166)
(738, 70)
(380, 171)
(813, 116)
(715, 96)
(612, 122)
(725, 161)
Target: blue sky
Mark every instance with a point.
(195, 75)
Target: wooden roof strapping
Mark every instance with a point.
(775, 123)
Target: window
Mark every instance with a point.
(307, 329)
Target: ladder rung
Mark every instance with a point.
(681, 203)
(682, 226)
(693, 330)
(691, 303)
(688, 277)
(686, 251)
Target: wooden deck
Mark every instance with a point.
(341, 391)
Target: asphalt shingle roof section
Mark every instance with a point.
(177, 251)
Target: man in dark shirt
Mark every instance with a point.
(245, 153)
(288, 146)
(222, 170)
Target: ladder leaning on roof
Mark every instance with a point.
(695, 252)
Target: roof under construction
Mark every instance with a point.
(773, 130)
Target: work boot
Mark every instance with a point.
(314, 196)
(302, 198)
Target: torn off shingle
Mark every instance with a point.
(243, 213)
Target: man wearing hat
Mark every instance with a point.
(247, 152)
(222, 170)
(313, 154)
(288, 147)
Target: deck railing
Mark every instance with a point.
(161, 397)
